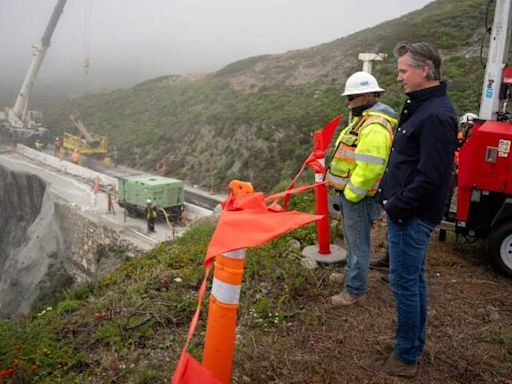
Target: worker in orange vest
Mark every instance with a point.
(75, 157)
(465, 127)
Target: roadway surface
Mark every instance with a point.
(193, 195)
(94, 206)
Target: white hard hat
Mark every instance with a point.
(468, 118)
(148, 201)
(361, 82)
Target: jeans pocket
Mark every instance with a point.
(423, 229)
(426, 225)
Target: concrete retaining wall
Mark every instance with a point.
(65, 166)
(87, 243)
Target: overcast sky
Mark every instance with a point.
(133, 40)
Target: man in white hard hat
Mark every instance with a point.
(355, 170)
(465, 124)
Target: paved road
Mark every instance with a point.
(94, 206)
(193, 195)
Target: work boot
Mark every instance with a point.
(337, 278)
(390, 365)
(344, 299)
(382, 263)
(386, 344)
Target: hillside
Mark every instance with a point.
(131, 326)
(253, 119)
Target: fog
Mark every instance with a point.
(130, 41)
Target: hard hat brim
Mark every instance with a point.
(377, 89)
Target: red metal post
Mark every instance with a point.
(322, 226)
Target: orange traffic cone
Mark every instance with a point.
(246, 221)
(222, 314)
(219, 342)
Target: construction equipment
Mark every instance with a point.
(166, 193)
(484, 186)
(18, 123)
(89, 144)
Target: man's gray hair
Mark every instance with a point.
(421, 54)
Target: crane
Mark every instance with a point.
(87, 143)
(484, 188)
(19, 122)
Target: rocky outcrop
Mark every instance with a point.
(21, 197)
(28, 239)
(47, 244)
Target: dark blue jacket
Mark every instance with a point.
(417, 178)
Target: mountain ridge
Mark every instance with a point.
(253, 119)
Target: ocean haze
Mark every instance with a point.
(130, 41)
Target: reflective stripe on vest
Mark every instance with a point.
(151, 213)
(336, 181)
(358, 191)
(351, 155)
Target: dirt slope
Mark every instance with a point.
(469, 327)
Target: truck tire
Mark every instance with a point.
(131, 211)
(500, 248)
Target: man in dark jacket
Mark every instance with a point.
(413, 193)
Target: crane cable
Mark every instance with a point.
(87, 35)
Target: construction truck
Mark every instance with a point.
(87, 143)
(18, 123)
(484, 182)
(168, 194)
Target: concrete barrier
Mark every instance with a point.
(65, 166)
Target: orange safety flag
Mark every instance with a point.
(321, 141)
(190, 371)
(245, 221)
(328, 131)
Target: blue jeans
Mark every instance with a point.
(407, 244)
(357, 221)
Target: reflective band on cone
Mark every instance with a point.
(222, 314)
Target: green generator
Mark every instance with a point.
(166, 193)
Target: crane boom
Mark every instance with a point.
(491, 102)
(81, 127)
(17, 115)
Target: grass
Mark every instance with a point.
(130, 326)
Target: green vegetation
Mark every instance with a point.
(130, 327)
(253, 119)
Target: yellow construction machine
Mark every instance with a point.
(88, 144)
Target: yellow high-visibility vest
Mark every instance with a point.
(361, 155)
